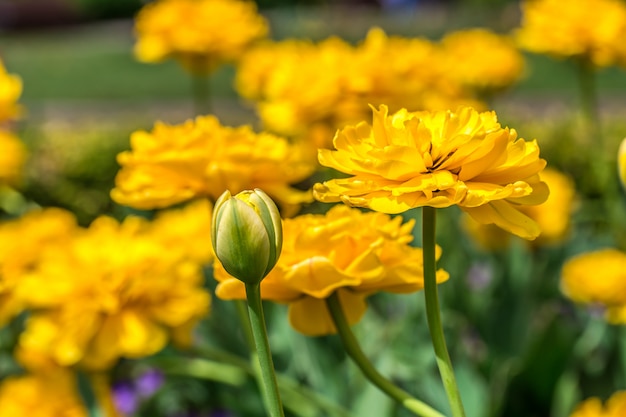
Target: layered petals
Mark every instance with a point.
(199, 33)
(112, 290)
(202, 158)
(438, 159)
(345, 251)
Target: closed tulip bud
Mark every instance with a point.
(247, 235)
(621, 163)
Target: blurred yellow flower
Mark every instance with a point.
(201, 34)
(607, 289)
(553, 216)
(10, 91)
(41, 395)
(114, 290)
(590, 29)
(12, 158)
(201, 158)
(21, 243)
(437, 159)
(592, 407)
(306, 89)
(345, 250)
(621, 163)
(186, 229)
(481, 59)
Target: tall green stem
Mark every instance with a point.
(201, 85)
(201, 90)
(588, 97)
(432, 312)
(269, 388)
(351, 345)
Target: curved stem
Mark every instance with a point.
(351, 345)
(269, 387)
(432, 313)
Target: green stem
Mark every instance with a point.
(242, 313)
(296, 397)
(593, 131)
(432, 313)
(269, 388)
(201, 86)
(588, 97)
(353, 350)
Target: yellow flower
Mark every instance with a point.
(186, 229)
(12, 158)
(553, 216)
(481, 59)
(592, 407)
(437, 159)
(200, 33)
(301, 87)
(608, 288)
(115, 290)
(621, 163)
(21, 243)
(41, 395)
(347, 251)
(10, 91)
(590, 29)
(201, 158)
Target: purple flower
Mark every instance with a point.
(125, 398)
(149, 382)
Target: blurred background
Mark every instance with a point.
(521, 349)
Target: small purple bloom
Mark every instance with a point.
(125, 398)
(149, 382)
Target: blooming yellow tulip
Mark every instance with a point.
(437, 159)
(347, 251)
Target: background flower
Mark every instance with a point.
(482, 60)
(307, 89)
(589, 29)
(10, 91)
(438, 159)
(553, 216)
(12, 158)
(593, 407)
(111, 291)
(354, 253)
(21, 243)
(583, 281)
(41, 395)
(201, 34)
(201, 158)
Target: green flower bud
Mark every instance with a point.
(247, 234)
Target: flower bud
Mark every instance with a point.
(621, 163)
(247, 235)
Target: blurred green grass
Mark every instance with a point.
(95, 62)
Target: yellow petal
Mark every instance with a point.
(310, 316)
